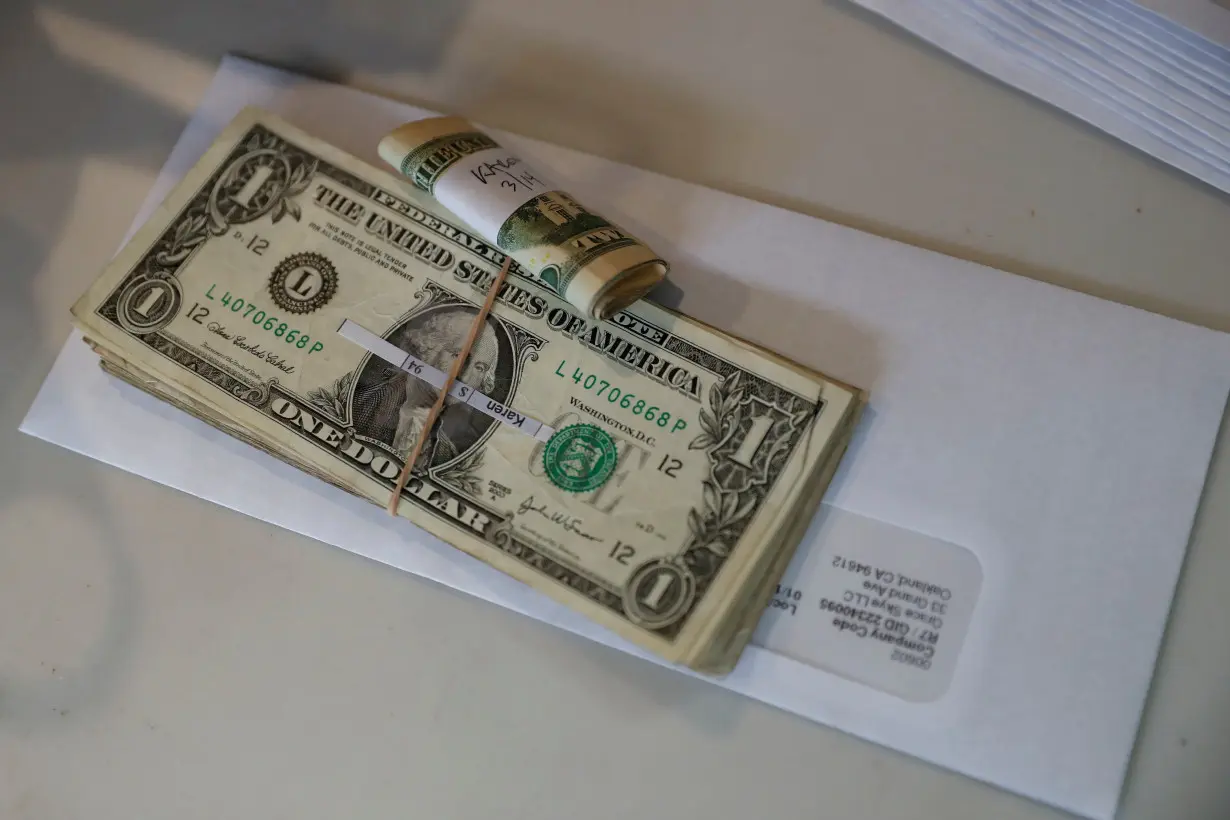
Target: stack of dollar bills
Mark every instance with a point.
(648, 471)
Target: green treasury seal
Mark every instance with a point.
(580, 458)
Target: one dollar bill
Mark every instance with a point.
(651, 472)
(595, 265)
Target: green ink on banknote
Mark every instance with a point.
(580, 458)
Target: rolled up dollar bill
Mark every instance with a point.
(596, 266)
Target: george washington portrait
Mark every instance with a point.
(391, 406)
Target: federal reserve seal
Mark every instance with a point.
(303, 282)
(580, 458)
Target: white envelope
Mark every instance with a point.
(1039, 451)
(1155, 74)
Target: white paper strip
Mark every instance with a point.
(402, 360)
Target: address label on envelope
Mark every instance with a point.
(878, 604)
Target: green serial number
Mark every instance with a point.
(292, 336)
(614, 395)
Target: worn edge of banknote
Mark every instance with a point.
(712, 615)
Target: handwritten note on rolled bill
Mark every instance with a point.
(596, 266)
